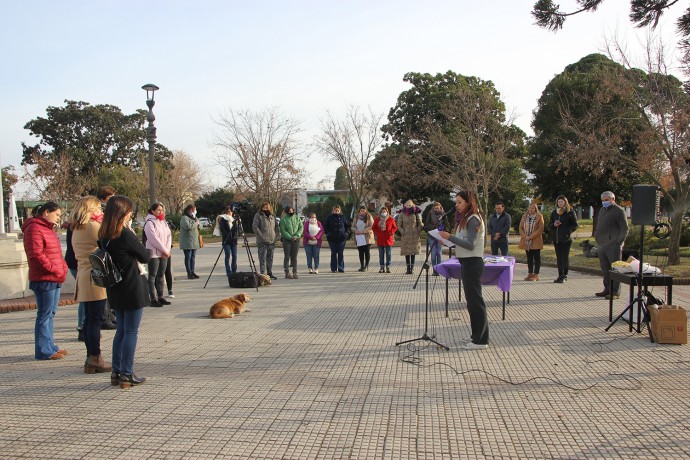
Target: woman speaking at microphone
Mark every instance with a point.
(469, 241)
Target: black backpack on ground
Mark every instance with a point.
(243, 280)
(104, 272)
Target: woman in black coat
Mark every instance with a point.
(563, 224)
(128, 297)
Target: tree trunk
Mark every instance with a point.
(674, 244)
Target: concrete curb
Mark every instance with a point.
(29, 303)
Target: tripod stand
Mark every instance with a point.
(642, 311)
(425, 267)
(252, 264)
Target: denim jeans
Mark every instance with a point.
(157, 267)
(47, 297)
(312, 251)
(189, 260)
(93, 320)
(385, 251)
(230, 251)
(435, 247)
(125, 340)
(337, 262)
(80, 309)
(501, 244)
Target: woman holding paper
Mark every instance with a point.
(364, 236)
(469, 247)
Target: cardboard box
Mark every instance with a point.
(669, 324)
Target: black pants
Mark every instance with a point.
(562, 256)
(409, 260)
(472, 269)
(533, 261)
(364, 255)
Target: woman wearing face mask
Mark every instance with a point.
(47, 272)
(384, 229)
(337, 230)
(85, 222)
(291, 229)
(159, 243)
(435, 221)
(189, 239)
(563, 224)
(265, 227)
(531, 240)
(362, 225)
(469, 247)
(410, 226)
(313, 231)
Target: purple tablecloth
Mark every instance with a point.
(499, 274)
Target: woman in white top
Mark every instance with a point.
(364, 236)
(311, 240)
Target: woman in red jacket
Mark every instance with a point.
(384, 229)
(47, 272)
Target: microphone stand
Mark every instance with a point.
(425, 267)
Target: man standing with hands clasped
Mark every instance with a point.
(610, 234)
(498, 228)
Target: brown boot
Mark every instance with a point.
(535, 277)
(294, 275)
(529, 277)
(95, 364)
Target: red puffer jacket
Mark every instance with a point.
(43, 251)
(385, 237)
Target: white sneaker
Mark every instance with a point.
(466, 340)
(474, 346)
(171, 295)
(316, 271)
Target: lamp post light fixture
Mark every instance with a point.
(150, 89)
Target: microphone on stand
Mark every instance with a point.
(452, 210)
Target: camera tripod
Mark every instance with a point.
(425, 267)
(252, 264)
(640, 300)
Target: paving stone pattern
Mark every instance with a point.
(312, 372)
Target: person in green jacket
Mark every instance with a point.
(189, 239)
(291, 229)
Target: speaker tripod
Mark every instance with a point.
(639, 301)
(425, 267)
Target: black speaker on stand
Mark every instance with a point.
(646, 199)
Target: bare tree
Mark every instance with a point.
(651, 114)
(353, 144)
(182, 183)
(57, 178)
(477, 149)
(260, 151)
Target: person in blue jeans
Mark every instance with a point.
(435, 221)
(47, 272)
(384, 230)
(337, 229)
(128, 297)
(311, 240)
(229, 230)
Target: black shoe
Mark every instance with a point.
(108, 325)
(435, 273)
(388, 269)
(195, 276)
(80, 336)
(601, 294)
(565, 278)
(114, 378)
(270, 275)
(130, 380)
(383, 270)
(361, 269)
(190, 276)
(558, 280)
(162, 301)
(155, 303)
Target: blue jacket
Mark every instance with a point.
(499, 225)
(337, 228)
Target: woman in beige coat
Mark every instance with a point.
(85, 221)
(410, 226)
(531, 240)
(362, 226)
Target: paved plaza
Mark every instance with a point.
(312, 372)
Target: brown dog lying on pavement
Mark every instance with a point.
(227, 308)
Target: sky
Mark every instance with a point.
(303, 57)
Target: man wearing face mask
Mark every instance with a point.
(610, 234)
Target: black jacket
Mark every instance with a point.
(567, 227)
(132, 292)
(229, 234)
(337, 228)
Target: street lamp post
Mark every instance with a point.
(151, 138)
